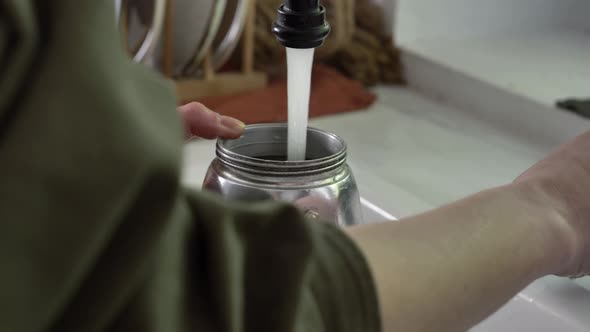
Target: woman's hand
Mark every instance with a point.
(203, 122)
(563, 179)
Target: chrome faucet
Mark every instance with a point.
(301, 24)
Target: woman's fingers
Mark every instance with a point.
(202, 122)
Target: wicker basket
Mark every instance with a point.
(341, 18)
(357, 45)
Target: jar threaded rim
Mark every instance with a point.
(325, 151)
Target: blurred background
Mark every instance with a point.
(222, 53)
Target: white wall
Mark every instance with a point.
(458, 19)
(579, 14)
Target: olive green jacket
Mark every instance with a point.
(96, 232)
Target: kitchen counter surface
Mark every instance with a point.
(410, 154)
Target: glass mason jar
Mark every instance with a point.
(254, 168)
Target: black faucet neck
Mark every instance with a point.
(301, 24)
(302, 6)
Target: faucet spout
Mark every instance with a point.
(302, 5)
(301, 24)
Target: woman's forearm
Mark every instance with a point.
(450, 268)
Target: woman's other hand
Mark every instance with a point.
(203, 122)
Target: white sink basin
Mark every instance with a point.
(521, 314)
(372, 213)
(549, 305)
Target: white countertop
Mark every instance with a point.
(544, 64)
(410, 154)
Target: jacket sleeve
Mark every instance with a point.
(96, 231)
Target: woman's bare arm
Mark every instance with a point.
(448, 269)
